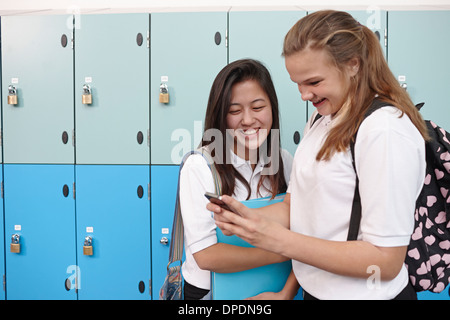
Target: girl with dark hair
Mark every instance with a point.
(242, 135)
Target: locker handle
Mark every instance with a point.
(164, 241)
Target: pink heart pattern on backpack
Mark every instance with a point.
(428, 256)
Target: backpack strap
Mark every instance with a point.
(355, 217)
(177, 240)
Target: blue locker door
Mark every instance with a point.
(164, 184)
(113, 208)
(37, 59)
(260, 35)
(188, 50)
(418, 57)
(112, 58)
(40, 208)
(2, 243)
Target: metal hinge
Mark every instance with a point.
(150, 287)
(148, 38)
(226, 38)
(385, 38)
(73, 188)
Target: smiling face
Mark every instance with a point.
(249, 116)
(319, 80)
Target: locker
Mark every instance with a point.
(38, 66)
(250, 40)
(112, 62)
(40, 208)
(113, 208)
(1, 117)
(188, 50)
(420, 62)
(418, 57)
(2, 243)
(427, 295)
(164, 189)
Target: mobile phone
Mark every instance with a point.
(216, 199)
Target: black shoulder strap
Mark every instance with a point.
(355, 218)
(317, 117)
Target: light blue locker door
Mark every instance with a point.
(112, 58)
(260, 36)
(418, 56)
(40, 208)
(164, 189)
(113, 208)
(188, 50)
(37, 59)
(2, 243)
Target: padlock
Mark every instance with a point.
(86, 98)
(88, 250)
(163, 93)
(15, 245)
(12, 95)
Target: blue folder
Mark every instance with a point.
(248, 283)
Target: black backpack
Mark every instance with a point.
(428, 255)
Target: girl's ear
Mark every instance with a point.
(353, 67)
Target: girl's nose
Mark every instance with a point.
(247, 117)
(305, 93)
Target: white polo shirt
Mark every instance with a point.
(199, 226)
(390, 161)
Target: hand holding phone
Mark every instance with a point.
(216, 199)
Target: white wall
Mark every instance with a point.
(12, 7)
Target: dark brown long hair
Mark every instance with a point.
(344, 39)
(216, 114)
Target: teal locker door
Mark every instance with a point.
(40, 208)
(418, 57)
(2, 239)
(188, 50)
(260, 35)
(164, 190)
(37, 60)
(112, 58)
(113, 208)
